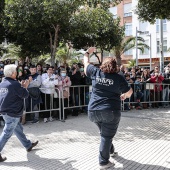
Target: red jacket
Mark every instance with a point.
(158, 80)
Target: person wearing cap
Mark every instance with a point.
(12, 95)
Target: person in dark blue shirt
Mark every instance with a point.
(104, 109)
(12, 95)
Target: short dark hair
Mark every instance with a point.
(50, 67)
(32, 66)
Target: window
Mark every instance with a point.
(164, 46)
(113, 10)
(157, 25)
(143, 26)
(158, 46)
(127, 10)
(128, 29)
(164, 25)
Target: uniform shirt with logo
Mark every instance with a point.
(106, 89)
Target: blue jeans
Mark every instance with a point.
(107, 122)
(13, 125)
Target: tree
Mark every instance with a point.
(95, 27)
(39, 25)
(153, 9)
(128, 44)
(65, 53)
(12, 51)
(131, 63)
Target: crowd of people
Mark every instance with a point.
(64, 76)
(43, 82)
(150, 87)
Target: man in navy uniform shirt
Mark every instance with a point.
(12, 95)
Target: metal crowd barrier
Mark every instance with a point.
(45, 106)
(150, 93)
(80, 95)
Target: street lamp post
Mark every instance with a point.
(136, 46)
(161, 47)
(150, 51)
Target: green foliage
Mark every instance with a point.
(39, 25)
(104, 4)
(153, 9)
(65, 53)
(95, 27)
(131, 63)
(2, 29)
(11, 51)
(128, 44)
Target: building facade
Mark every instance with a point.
(150, 33)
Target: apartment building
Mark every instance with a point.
(151, 34)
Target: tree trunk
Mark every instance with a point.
(118, 60)
(101, 57)
(54, 45)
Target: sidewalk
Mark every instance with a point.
(142, 142)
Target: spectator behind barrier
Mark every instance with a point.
(34, 92)
(63, 85)
(49, 80)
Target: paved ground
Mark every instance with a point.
(143, 143)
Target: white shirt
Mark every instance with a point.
(48, 83)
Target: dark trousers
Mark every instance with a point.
(46, 105)
(107, 122)
(56, 105)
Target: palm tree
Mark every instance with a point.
(66, 53)
(11, 51)
(131, 63)
(127, 44)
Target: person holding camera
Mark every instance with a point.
(12, 95)
(49, 80)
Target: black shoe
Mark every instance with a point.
(33, 145)
(2, 159)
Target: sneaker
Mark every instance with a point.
(35, 121)
(33, 145)
(45, 120)
(50, 119)
(2, 159)
(114, 154)
(106, 166)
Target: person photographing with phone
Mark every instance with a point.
(104, 108)
(12, 95)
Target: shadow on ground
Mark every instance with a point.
(38, 163)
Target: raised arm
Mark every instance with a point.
(86, 57)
